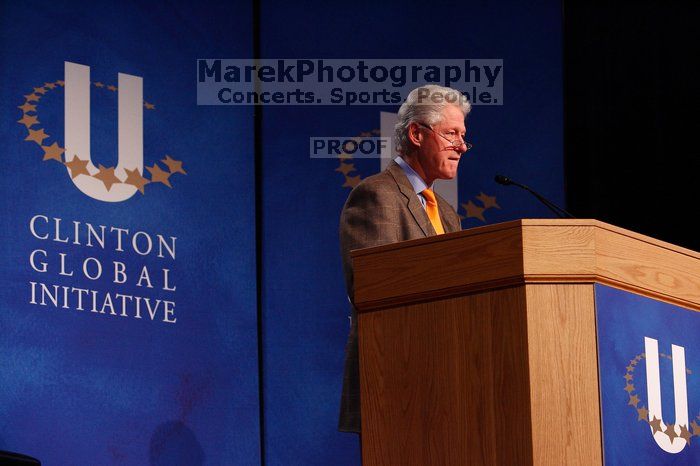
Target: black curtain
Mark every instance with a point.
(632, 136)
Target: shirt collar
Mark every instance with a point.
(414, 178)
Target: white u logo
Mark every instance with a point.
(130, 131)
(680, 394)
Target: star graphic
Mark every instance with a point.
(39, 90)
(28, 120)
(628, 377)
(158, 175)
(488, 201)
(655, 425)
(112, 88)
(175, 166)
(60, 83)
(27, 107)
(99, 84)
(32, 98)
(633, 362)
(352, 181)
(696, 428)
(50, 85)
(671, 432)
(37, 136)
(149, 106)
(77, 167)
(643, 414)
(634, 401)
(53, 152)
(106, 175)
(630, 368)
(685, 434)
(474, 211)
(629, 388)
(134, 178)
(346, 168)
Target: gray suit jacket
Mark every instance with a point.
(382, 209)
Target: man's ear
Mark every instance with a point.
(414, 134)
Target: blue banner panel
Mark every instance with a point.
(128, 327)
(305, 309)
(649, 360)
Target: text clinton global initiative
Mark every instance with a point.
(95, 269)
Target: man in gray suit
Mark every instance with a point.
(399, 203)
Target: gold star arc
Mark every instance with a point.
(671, 432)
(685, 434)
(37, 136)
(352, 181)
(474, 211)
(655, 425)
(158, 175)
(77, 167)
(27, 107)
(175, 166)
(134, 178)
(345, 168)
(488, 201)
(107, 176)
(53, 152)
(643, 414)
(28, 120)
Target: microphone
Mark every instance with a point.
(558, 211)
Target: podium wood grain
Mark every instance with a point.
(479, 347)
(459, 394)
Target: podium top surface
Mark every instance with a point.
(526, 251)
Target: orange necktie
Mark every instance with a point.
(431, 207)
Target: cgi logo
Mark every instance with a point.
(108, 184)
(670, 437)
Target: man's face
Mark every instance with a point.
(437, 158)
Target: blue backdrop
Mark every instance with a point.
(79, 387)
(90, 388)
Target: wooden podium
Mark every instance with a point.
(479, 347)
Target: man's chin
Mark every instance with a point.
(448, 175)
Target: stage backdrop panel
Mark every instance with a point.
(127, 312)
(305, 310)
(648, 356)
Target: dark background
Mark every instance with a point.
(631, 125)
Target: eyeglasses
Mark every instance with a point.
(453, 143)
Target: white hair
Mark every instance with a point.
(424, 105)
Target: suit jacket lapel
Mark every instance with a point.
(413, 203)
(446, 216)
